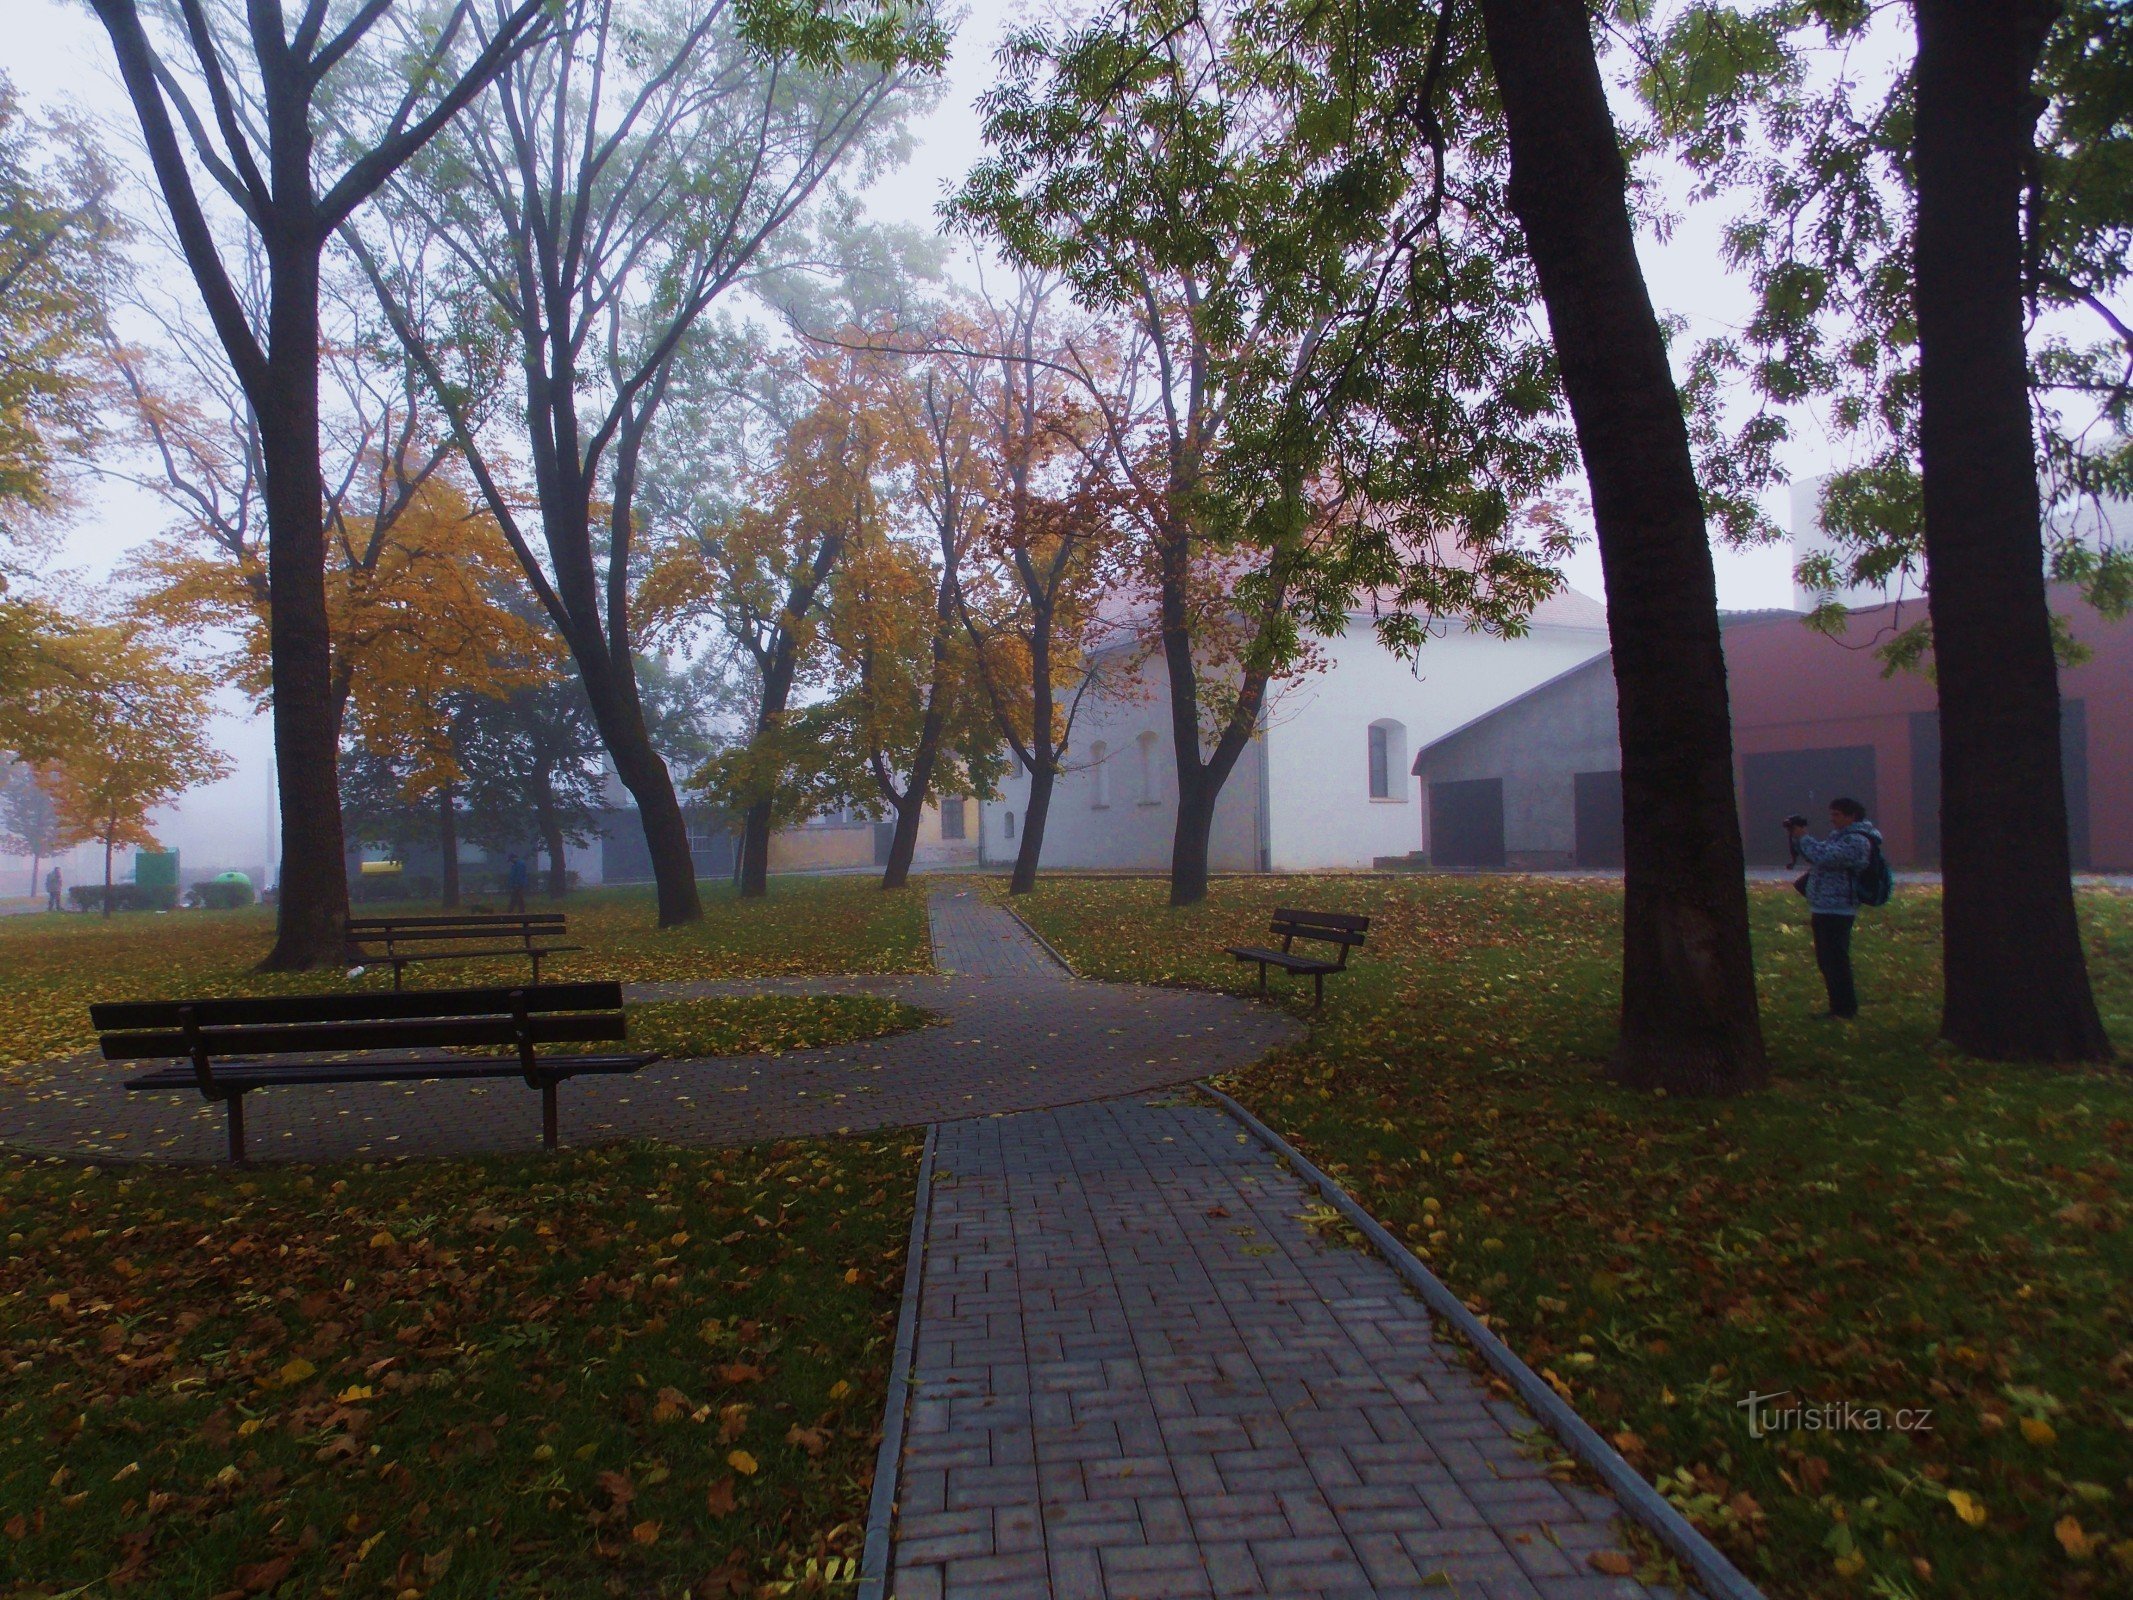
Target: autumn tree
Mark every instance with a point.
(149, 743)
(29, 825)
(633, 169)
(759, 567)
(905, 722)
(1938, 255)
(1028, 581)
(1248, 213)
(246, 87)
(59, 231)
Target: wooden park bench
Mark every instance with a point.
(231, 1047)
(458, 937)
(1326, 927)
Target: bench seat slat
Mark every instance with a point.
(248, 1075)
(1281, 959)
(399, 1033)
(356, 1005)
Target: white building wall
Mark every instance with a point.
(1321, 813)
(1104, 816)
(1300, 796)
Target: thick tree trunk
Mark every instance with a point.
(36, 860)
(911, 805)
(1188, 844)
(448, 846)
(618, 713)
(551, 832)
(1689, 1018)
(755, 851)
(2016, 978)
(1031, 848)
(311, 913)
(107, 874)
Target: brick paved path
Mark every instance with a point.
(1139, 1374)
(1026, 1037)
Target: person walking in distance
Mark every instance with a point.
(1844, 871)
(515, 880)
(52, 885)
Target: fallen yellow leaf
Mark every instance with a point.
(2037, 1431)
(742, 1462)
(2079, 1545)
(1967, 1506)
(645, 1533)
(296, 1371)
(382, 1240)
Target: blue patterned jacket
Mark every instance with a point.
(1834, 864)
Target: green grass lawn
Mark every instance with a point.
(633, 1372)
(1888, 1225)
(52, 967)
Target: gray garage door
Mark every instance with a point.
(1599, 818)
(1783, 782)
(1466, 823)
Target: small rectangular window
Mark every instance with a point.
(1010, 824)
(952, 818)
(1380, 765)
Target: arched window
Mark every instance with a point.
(1388, 760)
(1010, 816)
(1147, 769)
(1099, 774)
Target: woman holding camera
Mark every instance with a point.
(1834, 866)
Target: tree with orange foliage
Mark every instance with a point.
(758, 567)
(1043, 539)
(416, 577)
(145, 742)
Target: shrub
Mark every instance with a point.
(214, 896)
(124, 897)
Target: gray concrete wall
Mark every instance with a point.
(1536, 746)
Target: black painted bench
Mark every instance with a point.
(231, 1047)
(532, 934)
(1340, 928)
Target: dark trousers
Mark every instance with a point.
(518, 897)
(1833, 954)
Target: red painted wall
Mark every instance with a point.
(1794, 689)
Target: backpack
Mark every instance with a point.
(1876, 882)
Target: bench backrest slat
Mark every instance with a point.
(357, 1006)
(514, 920)
(399, 936)
(396, 1033)
(1343, 928)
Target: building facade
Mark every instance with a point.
(1324, 783)
(1536, 782)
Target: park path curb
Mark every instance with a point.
(1043, 943)
(888, 1461)
(1639, 1500)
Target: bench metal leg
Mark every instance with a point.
(1262, 977)
(536, 965)
(396, 975)
(234, 1104)
(548, 1113)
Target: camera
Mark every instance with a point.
(1794, 821)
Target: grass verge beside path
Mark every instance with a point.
(1890, 1228)
(53, 967)
(634, 1371)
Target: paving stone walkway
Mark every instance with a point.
(1016, 1033)
(1140, 1375)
